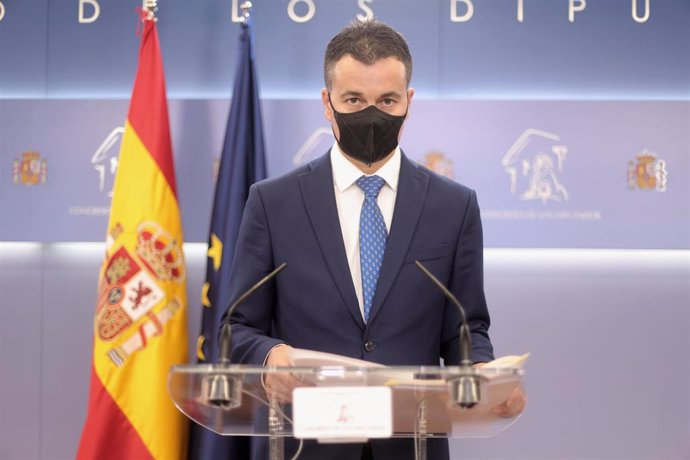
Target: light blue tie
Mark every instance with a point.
(372, 238)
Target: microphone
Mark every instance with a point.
(225, 334)
(465, 387)
(221, 390)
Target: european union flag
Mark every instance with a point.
(242, 163)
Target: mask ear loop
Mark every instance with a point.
(330, 102)
(335, 112)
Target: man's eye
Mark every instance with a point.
(352, 100)
(388, 102)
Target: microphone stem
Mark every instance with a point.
(465, 337)
(225, 334)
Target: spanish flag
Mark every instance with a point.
(140, 326)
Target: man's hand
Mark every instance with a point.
(514, 405)
(280, 385)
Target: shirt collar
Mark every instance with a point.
(345, 173)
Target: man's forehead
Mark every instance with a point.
(353, 75)
(350, 60)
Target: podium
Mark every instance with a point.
(232, 400)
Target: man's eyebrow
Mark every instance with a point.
(351, 94)
(390, 94)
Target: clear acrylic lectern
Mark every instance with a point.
(232, 400)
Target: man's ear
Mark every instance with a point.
(327, 110)
(410, 95)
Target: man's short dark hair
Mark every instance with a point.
(367, 42)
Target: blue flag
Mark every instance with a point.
(242, 163)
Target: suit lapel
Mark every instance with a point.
(316, 186)
(409, 202)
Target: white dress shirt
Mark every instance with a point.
(349, 199)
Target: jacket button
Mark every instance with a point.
(369, 346)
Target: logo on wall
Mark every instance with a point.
(105, 159)
(132, 285)
(30, 169)
(437, 162)
(647, 172)
(534, 162)
(311, 146)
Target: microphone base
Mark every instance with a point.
(222, 391)
(466, 388)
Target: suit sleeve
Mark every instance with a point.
(252, 321)
(467, 283)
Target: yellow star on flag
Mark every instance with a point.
(204, 295)
(199, 348)
(216, 251)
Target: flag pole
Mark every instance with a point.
(130, 414)
(242, 163)
(246, 8)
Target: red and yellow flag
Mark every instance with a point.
(140, 329)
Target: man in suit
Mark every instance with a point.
(350, 225)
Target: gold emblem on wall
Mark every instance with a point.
(30, 169)
(437, 162)
(647, 172)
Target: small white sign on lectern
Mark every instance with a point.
(342, 413)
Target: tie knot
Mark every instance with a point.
(370, 185)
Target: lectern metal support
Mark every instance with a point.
(420, 434)
(276, 443)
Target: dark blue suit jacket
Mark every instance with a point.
(312, 304)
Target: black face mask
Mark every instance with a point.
(368, 135)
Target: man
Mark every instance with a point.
(350, 225)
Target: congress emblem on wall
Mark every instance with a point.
(317, 142)
(30, 169)
(534, 163)
(647, 173)
(105, 159)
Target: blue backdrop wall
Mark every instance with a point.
(569, 118)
